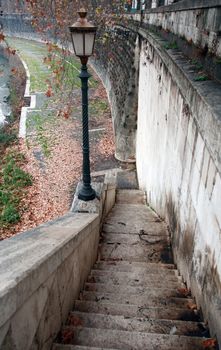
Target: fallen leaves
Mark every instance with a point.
(14, 70)
(192, 306)
(183, 292)
(210, 344)
(2, 37)
(55, 177)
(67, 335)
(10, 51)
(49, 92)
(75, 321)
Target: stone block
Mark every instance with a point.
(26, 320)
(3, 332)
(216, 198)
(205, 166)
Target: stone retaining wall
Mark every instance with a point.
(116, 63)
(42, 272)
(18, 24)
(198, 24)
(179, 165)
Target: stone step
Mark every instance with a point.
(148, 253)
(137, 267)
(127, 179)
(137, 324)
(133, 212)
(133, 238)
(76, 347)
(126, 310)
(135, 295)
(133, 279)
(131, 293)
(130, 197)
(122, 284)
(146, 228)
(127, 340)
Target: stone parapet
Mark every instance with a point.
(42, 272)
(198, 22)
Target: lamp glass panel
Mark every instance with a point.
(78, 41)
(89, 43)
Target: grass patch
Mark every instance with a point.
(13, 181)
(171, 45)
(33, 53)
(218, 61)
(202, 77)
(40, 125)
(197, 64)
(98, 107)
(6, 139)
(44, 66)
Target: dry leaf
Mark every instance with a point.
(210, 344)
(75, 321)
(183, 292)
(67, 336)
(192, 306)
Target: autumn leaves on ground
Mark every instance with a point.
(50, 157)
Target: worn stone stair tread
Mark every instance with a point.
(76, 347)
(132, 310)
(146, 253)
(133, 238)
(139, 281)
(135, 297)
(126, 207)
(147, 228)
(132, 279)
(131, 292)
(133, 266)
(130, 196)
(126, 340)
(139, 211)
(147, 221)
(139, 324)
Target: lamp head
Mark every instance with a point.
(83, 36)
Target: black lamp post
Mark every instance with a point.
(83, 37)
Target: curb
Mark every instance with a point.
(29, 99)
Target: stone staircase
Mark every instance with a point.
(134, 297)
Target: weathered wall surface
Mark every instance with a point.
(198, 25)
(195, 25)
(118, 69)
(18, 25)
(179, 165)
(42, 272)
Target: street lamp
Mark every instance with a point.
(83, 37)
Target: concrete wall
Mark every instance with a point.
(179, 166)
(43, 270)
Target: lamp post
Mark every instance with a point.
(83, 37)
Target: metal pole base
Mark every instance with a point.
(86, 193)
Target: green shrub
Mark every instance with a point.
(10, 215)
(13, 181)
(6, 139)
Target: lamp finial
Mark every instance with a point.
(82, 13)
